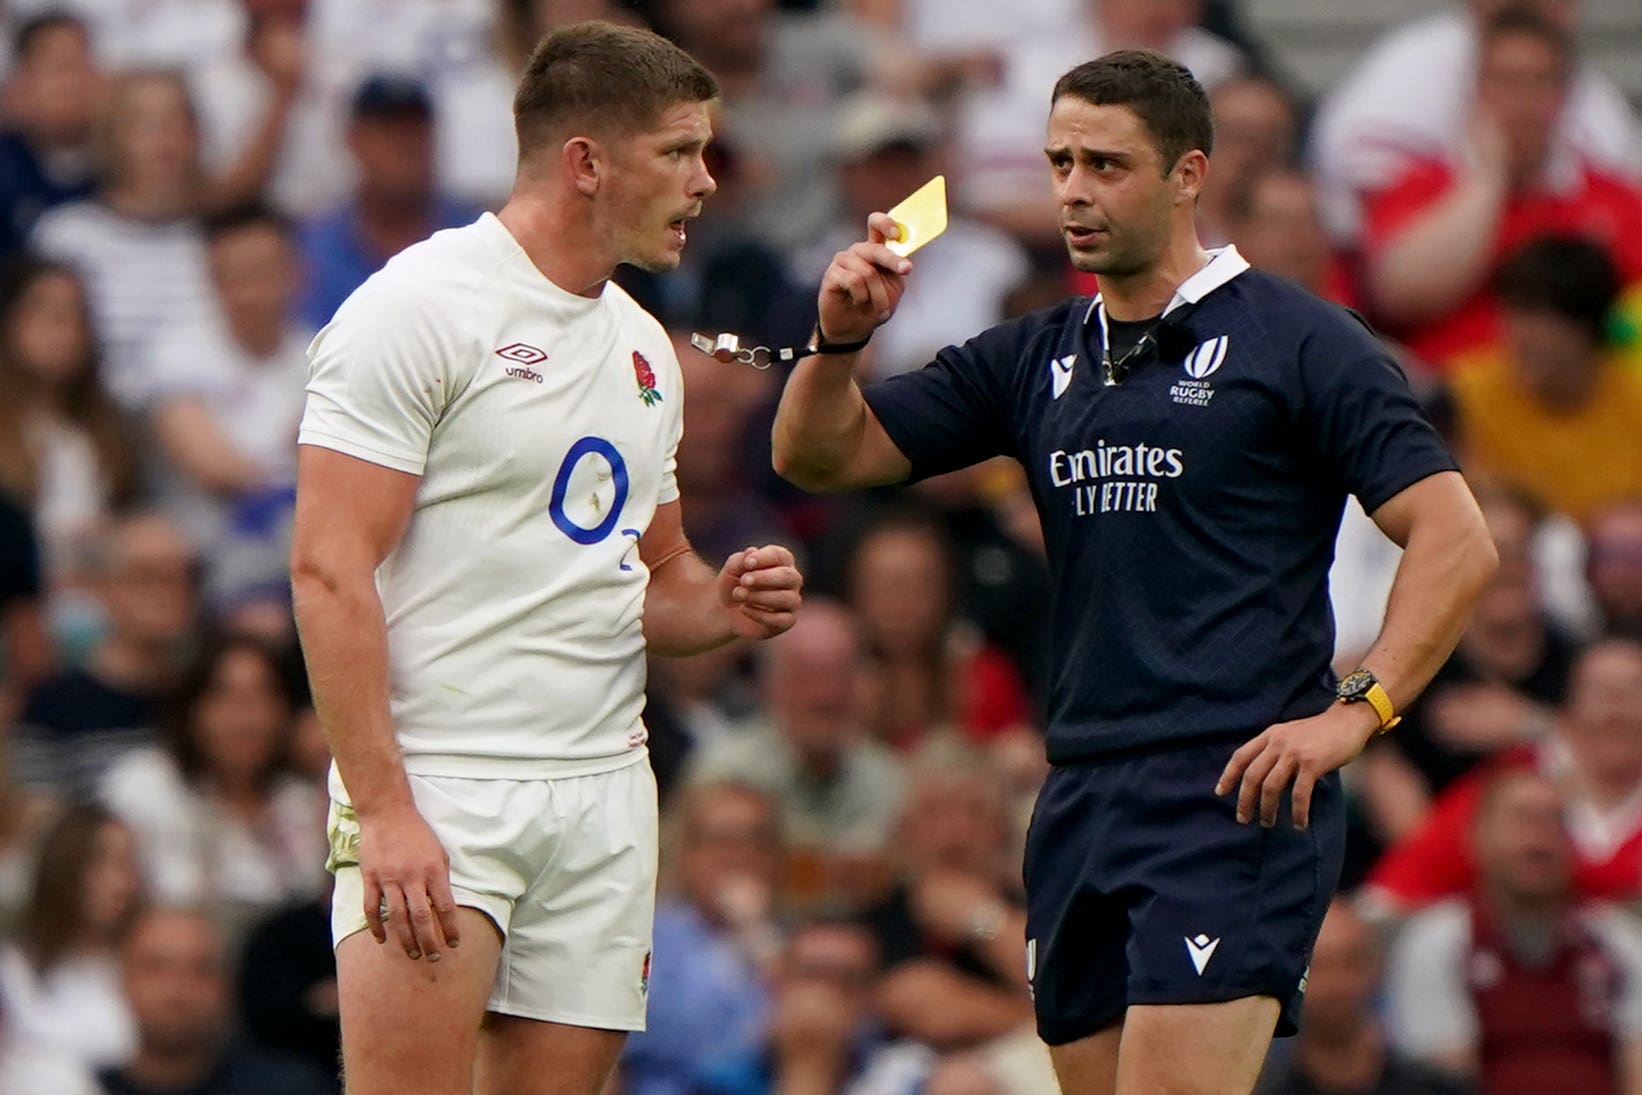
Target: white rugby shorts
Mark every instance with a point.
(565, 868)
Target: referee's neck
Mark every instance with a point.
(1143, 295)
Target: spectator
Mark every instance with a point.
(1000, 138)
(1256, 126)
(951, 931)
(1410, 99)
(1277, 225)
(219, 817)
(60, 980)
(76, 724)
(26, 653)
(1521, 986)
(1553, 412)
(396, 200)
(287, 985)
(1510, 670)
(886, 148)
(934, 674)
(1614, 568)
(175, 972)
(784, 75)
(839, 790)
(137, 243)
(51, 100)
(823, 1034)
(227, 400)
(1594, 749)
(65, 451)
(269, 121)
(1438, 232)
(715, 939)
(1341, 1049)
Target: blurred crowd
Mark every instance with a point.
(188, 189)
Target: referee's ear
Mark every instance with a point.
(1190, 172)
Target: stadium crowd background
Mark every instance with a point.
(188, 188)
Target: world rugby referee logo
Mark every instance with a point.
(1206, 358)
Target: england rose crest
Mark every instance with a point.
(647, 380)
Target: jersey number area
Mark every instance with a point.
(592, 468)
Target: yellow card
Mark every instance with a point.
(920, 217)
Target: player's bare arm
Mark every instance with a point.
(349, 515)
(689, 608)
(1447, 558)
(826, 437)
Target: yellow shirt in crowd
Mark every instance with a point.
(1573, 462)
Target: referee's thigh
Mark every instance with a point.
(414, 1025)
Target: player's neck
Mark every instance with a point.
(1135, 297)
(562, 244)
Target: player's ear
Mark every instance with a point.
(585, 164)
(1190, 173)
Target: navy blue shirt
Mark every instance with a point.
(1189, 511)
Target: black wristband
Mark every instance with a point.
(820, 345)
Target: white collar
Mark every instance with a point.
(1223, 265)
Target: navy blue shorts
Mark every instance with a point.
(1142, 888)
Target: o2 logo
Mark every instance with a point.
(599, 449)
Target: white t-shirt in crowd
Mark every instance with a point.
(1411, 96)
(255, 402)
(193, 851)
(544, 426)
(77, 1010)
(1001, 129)
(27, 1067)
(142, 277)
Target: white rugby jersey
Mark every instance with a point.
(545, 427)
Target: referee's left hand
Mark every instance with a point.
(1299, 752)
(761, 589)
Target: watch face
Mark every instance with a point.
(1356, 685)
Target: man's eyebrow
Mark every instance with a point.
(1058, 151)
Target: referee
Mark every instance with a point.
(1190, 436)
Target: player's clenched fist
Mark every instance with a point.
(863, 285)
(761, 589)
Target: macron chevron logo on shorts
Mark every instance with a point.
(1201, 949)
(1206, 358)
(1060, 374)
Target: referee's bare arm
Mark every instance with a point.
(1448, 556)
(349, 515)
(826, 438)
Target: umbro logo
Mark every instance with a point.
(522, 353)
(1060, 374)
(1201, 950)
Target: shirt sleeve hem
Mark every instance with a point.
(1393, 487)
(412, 465)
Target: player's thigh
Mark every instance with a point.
(1088, 1066)
(1195, 1049)
(530, 1057)
(414, 1025)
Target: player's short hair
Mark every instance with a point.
(1571, 277)
(603, 77)
(29, 32)
(1162, 91)
(251, 214)
(1527, 20)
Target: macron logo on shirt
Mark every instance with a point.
(1060, 374)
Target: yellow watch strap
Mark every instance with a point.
(1380, 700)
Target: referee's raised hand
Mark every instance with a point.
(863, 285)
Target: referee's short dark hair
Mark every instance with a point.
(1568, 276)
(1165, 94)
(601, 77)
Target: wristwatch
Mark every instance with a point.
(1362, 686)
